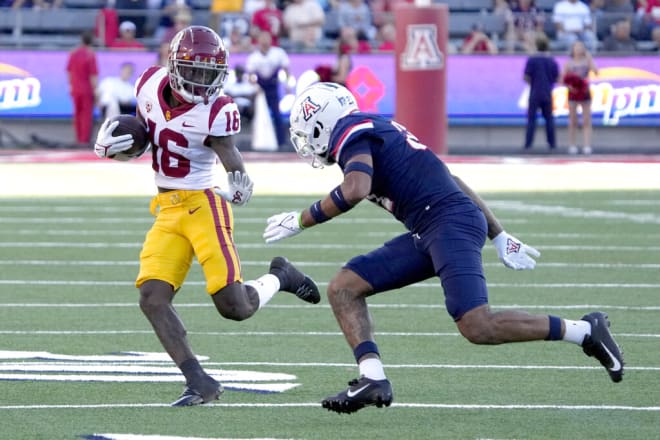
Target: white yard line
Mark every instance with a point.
(265, 333)
(402, 405)
(60, 305)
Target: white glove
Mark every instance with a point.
(514, 253)
(239, 188)
(286, 224)
(108, 145)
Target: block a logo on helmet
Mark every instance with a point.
(309, 108)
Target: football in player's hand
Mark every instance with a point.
(129, 124)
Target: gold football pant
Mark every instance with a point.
(190, 223)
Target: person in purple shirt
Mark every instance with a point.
(541, 73)
(447, 224)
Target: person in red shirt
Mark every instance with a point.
(648, 15)
(387, 38)
(126, 38)
(83, 77)
(477, 42)
(268, 19)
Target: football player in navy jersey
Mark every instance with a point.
(447, 226)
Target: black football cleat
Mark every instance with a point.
(601, 345)
(360, 393)
(191, 396)
(294, 281)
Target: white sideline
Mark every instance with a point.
(402, 405)
(99, 178)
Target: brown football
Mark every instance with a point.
(129, 124)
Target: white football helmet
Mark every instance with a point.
(313, 117)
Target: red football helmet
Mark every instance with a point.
(197, 64)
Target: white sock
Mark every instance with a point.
(576, 331)
(372, 368)
(266, 286)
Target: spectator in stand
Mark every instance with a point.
(182, 20)
(265, 64)
(528, 23)
(169, 9)
(572, 19)
(655, 38)
(127, 40)
(83, 75)
(541, 73)
(575, 76)
(136, 13)
(250, 7)
(606, 13)
(386, 37)
(239, 41)
(37, 4)
(356, 14)
(477, 42)
(107, 25)
(501, 8)
(268, 18)
(347, 44)
(116, 95)
(303, 21)
(218, 8)
(597, 8)
(648, 17)
(382, 11)
(619, 6)
(619, 39)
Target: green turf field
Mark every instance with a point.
(67, 267)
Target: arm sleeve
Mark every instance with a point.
(360, 146)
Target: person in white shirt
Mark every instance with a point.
(115, 93)
(264, 65)
(303, 21)
(572, 18)
(242, 92)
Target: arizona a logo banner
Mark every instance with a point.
(422, 51)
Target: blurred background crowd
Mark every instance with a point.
(358, 26)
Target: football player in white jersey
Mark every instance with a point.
(191, 124)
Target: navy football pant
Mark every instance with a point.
(546, 110)
(451, 250)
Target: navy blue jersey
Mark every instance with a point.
(543, 72)
(408, 180)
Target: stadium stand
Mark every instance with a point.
(60, 28)
(44, 29)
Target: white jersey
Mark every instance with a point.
(180, 158)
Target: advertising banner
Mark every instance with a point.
(480, 89)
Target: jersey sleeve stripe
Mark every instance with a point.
(215, 109)
(350, 131)
(145, 77)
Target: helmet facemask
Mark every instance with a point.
(312, 143)
(197, 81)
(197, 64)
